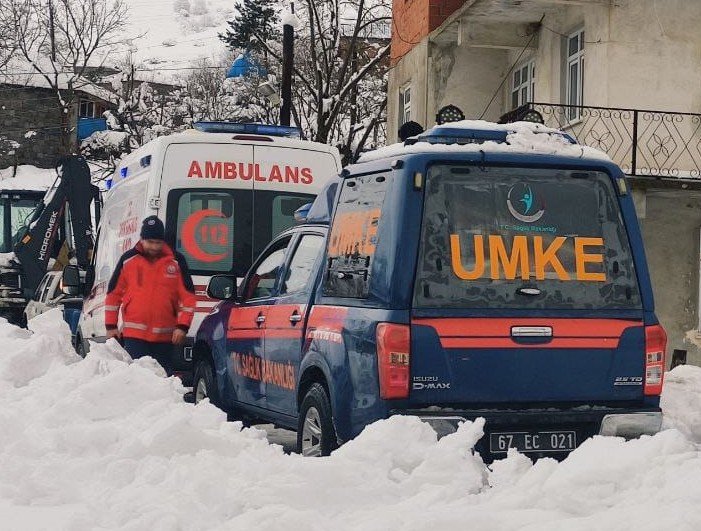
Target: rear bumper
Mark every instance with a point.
(587, 422)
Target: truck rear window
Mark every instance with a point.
(523, 238)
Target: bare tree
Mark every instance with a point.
(340, 45)
(209, 95)
(59, 40)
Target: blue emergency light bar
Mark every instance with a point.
(250, 129)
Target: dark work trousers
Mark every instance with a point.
(161, 352)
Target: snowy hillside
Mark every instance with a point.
(168, 35)
(106, 443)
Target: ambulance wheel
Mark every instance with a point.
(203, 384)
(315, 432)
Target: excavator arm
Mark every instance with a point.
(71, 195)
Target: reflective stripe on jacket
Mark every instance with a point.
(156, 297)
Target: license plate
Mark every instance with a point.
(533, 441)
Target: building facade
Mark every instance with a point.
(623, 76)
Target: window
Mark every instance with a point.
(354, 236)
(262, 281)
(404, 105)
(91, 109)
(283, 212)
(522, 238)
(274, 212)
(87, 109)
(212, 229)
(574, 74)
(523, 85)
(302, 263)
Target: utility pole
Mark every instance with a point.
(287, 63)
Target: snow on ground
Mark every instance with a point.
(107, 443)
(172, 34)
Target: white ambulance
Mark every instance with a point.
(223, 191)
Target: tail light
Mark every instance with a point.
(655, 347)
(393, 341)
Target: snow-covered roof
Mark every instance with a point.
(521, 137)
(27, 178)
(22, 74)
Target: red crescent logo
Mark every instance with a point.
(188, 236)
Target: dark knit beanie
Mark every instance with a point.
(153, 229)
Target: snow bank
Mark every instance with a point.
(108, 443)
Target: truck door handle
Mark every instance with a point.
(260, 319)
(295, 318)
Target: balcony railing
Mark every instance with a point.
(643, 143)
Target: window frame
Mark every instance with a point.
(242, 209)
(288, 265)
(273, 247)
(404, 111)
(529, 84)
(337, 264)
(574, 95)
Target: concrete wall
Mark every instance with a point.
(671, 225)
(411, 69)
(638, 54)
(468, 77)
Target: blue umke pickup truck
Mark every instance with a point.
(474, 271)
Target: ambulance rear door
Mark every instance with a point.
(207, 199)
(286, 178)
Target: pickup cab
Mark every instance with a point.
(493, 272)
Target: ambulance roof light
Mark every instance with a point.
(123, 172)
(254, 129)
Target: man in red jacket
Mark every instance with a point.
(153, 287)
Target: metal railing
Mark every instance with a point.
(643, 143)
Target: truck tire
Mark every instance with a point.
(203, 384)
(316, 435)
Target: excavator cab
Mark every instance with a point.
(16, 209)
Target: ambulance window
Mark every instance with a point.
(353, 237)
(205, 231)
(273, 213)
(284, 208)
(302, 263)
(523, 238)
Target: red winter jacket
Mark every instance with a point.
(155, 296)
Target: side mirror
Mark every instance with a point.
(70, 281)
(222, 287)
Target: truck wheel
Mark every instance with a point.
(315, 432)
(203, 384)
